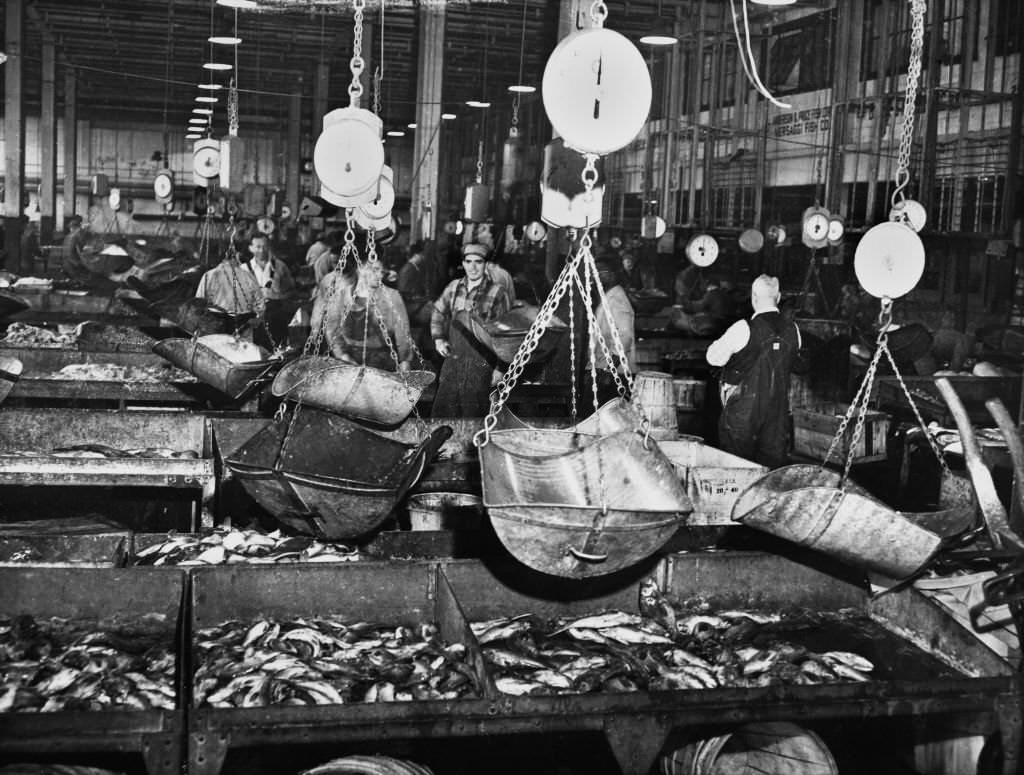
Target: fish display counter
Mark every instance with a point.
(301, 655)
(89, 664)
(77, 447)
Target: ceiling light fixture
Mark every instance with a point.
(245, 5)
(773, 2)
(396, 133)
(411, 126)
(658, 39)
(193, 136)
(478, 104)
(216, 66)
(203, 111)
(448, 116)
(204, 98)
(522, 88)
(198, 121)
(225, 40)
(211, 86)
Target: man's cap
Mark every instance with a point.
(474, 249)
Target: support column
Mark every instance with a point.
(427, 148)
(321, 84)
(48, 146)
(292, 152)
(849, 47)
(70, 143)
(14, 131)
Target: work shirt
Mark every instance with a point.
(274, 279)
(735, 338)
(232, 288)
(487, 300)
(500, 276)
(324, 265)
(623, 317)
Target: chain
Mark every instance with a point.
(598, 13)
(920, 421)
(572, 358)
(348, 249)
(525, 351)
(357, 63)
(378, 76)
(233, 109)
(917, 11)
(480, 163)
(589, 175)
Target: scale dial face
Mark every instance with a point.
(114, 197)
(535, 231)
(163, 185)
(910, 213)
(596, 90)
(349, 154)
(206, 158)
(702, 250)
(381, 206)
(836, 230)
(889, 260)
(814, 227)
(265, 225)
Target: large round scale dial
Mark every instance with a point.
(206, 158)
(596, 90)
(381, 206)
(163, 186)
(349, 155)
(889, 260)
(702, 250)
(814, 231)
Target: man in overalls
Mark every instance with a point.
(465, 380)
(757, 359)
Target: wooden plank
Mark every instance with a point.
(813, 432)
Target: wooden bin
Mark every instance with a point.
(814, 429)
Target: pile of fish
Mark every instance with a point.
(228, 546)
(326, 661)
(60, 664)
(116, 372)
(104, 451)
(366, 765)
(24, 335)
(34, 768)
(663, 650)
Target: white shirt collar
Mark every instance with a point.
(264, 275)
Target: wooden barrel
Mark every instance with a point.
(655, 392)
(768, 748)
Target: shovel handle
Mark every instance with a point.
(584, 557)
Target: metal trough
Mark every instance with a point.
(216, 360)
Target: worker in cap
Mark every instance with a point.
(464, 383)
(756, 357)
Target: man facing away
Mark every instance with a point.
(756, 359)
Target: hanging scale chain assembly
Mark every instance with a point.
(905, 210)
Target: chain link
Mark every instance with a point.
(348, 250)
(589, 175)
(378, 77)
(917, 11)
(357, 63)
(572, 358)
(598, 13)
(233, 110)
(480, 162)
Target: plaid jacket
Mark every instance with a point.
(487, 301)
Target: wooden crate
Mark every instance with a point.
(813, 431)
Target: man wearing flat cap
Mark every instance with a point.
(465, 380)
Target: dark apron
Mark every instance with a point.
(464, 384)
(355, 325)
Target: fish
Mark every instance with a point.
(634, 635)
(517, 686)
(510, 659)
(503, 632)
(848, 658)
(600, 621)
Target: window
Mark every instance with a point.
(801, 55)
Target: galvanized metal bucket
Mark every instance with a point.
(360, 392)
(327, 476)
(580, 504)
(11, 303)
(213, 359)
(804, 504)
(612, 416)
(765, 748)
(504, 335)
(10, 372)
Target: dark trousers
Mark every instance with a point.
(758, 434)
